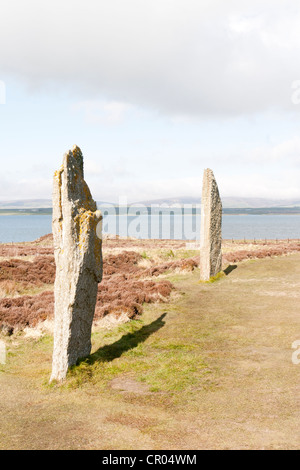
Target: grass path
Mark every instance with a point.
(211, 369)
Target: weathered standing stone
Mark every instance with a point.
(78, 258)
(211, 228)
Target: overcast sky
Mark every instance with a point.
(153, 91)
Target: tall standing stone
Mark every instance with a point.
(78, 258)
(211, 228)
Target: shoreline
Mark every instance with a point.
(21, 213)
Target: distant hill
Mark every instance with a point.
(29, 204)
(26, 204)
(230, 202)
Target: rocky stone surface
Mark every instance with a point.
(211, 228)
(78, 259)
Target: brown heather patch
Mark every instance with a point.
(11, 251)
(111, 243)
(126, 262)
(26, 310)
(263, 251)
(188, 264)
(126, 285)
(40, 271)
(121, 291)
(119, 295)
(41, 247)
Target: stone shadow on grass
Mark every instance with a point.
(229, 269)
(130, 341)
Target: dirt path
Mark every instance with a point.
(214, 372)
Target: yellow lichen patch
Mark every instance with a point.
(58, 179)
(98, 241)
(58, 173)
(86, 228)
(86, 223)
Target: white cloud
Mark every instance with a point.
(98, 112)
(25, 188)
(286, 152)
(182, 57)
(109, 186)
(244, 25)
(92, 168)
(139, 190)
(283, 186)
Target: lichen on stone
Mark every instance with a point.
(78, 257)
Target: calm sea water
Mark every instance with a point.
(19, 228)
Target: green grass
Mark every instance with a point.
(162, 364)
(215, 278)
(209, 369)
(170, 254)
(179, 254)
